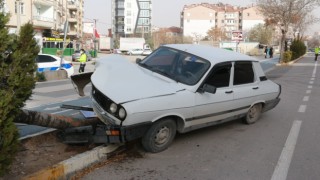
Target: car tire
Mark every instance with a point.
(159, 136)
(253, 114)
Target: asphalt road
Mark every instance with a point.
(283, 144)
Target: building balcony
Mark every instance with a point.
(44, 2)
(73, 5)
(45, 22)
(72, 33)
(72, 19)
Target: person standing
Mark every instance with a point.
(82, 60)
(271, 52)
(267, 51)
(316, 52)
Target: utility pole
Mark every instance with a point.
(94, 36)
(18, 16)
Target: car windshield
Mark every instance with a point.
(177, 65)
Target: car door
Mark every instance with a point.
(245, 85)
(47, 63)
(211, 107)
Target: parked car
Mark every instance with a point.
(135, 52)
(117, 51)
(178, 88)
(47, 62)
(76, 56)
(146, 52)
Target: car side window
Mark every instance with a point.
(45, 59)
(243, 73)
(220, 75)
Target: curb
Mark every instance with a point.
(67, 168)
(290, 63)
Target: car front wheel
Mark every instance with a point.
(253, 114)
(159, 136)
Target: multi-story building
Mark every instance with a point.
(47, 16)
(251, 17)
(131, 17)
(197, 19)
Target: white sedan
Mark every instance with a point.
(135, 52)
(47, 62)
(178, 88)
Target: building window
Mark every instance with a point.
(188, 20)
(222, 21)
(128, 13)
(144, 13)
(248, 14)
(21, 7)
(210, 20)
(144, 5)
(38, 11)
(129, 5)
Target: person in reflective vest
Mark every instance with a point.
(316, 52)
(82, 60)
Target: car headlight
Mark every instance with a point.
(113, 108)
(122, 113)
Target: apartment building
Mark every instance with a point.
(47, 16)
(197, 19)
(251, 17)
(131, 17)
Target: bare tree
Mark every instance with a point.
(301, 24)
(284, 13)
(217, 34)
(262, 34)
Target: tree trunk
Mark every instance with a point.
(52, 121)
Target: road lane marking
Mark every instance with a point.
(310, 87)
(282, 167)
(302, 108)
(310, 82)
(51, 108)
(306, 98)
(312, 79)
(308, 91)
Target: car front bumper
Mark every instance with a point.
(119, 134)
(111, 132)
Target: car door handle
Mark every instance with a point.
(255, 88)
(229, 92)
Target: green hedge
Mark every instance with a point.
(287, 56)
(298, 49)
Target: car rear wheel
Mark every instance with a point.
(253, 114)
(159, 136)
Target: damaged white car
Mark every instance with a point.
(178, 88)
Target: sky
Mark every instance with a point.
(165, 13)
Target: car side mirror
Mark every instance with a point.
(138, 60)
(209, 88)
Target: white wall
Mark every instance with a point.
(248, 24)
(200, 27)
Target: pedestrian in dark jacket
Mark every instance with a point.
(271, 52)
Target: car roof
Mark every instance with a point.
(212, 54)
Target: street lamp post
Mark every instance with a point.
(18, 16)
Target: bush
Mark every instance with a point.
(40, 77)
(16, 83)
(298, 49)
(254, 52)
(287, 55)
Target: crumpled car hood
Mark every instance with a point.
(123, 81)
